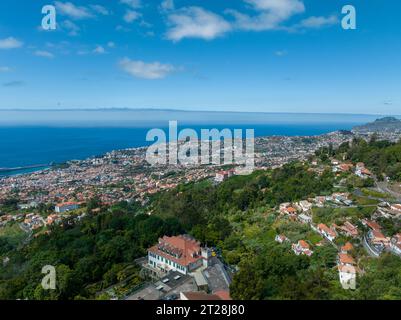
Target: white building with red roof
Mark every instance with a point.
(302, 247)
(66, 206)
(224, 175)
(347, 274)
(280, 238)
(345, 259)
(326, 232)
(178, 253)
(349, 229)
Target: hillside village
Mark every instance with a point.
(345, 232)
(359, 219)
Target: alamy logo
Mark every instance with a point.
(349, 20)
(49, 280)
(49, 20)
(214, 147)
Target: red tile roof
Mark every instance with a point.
(373, 225)
(346, 259)
(303, 244)
(180, 249)
(347, 247)
(326, 229)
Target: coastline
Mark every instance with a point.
(47, 146)
(26, 170)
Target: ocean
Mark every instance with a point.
(28, 142)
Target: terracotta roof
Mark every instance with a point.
(347, 269)
(366, 171)
(180, 249)
(373, 225)
(378, 235)
(303, 244)
(346, 259)
(347, 247)
(326, 229)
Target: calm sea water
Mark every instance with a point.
(25, 144)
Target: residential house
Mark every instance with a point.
(326, 232)
(347, 276)
(349, 229)
(224, 175)
(373, 225)
(395, 245)
(280, 238)
(320, 201)
(361, 171)
(347, 247)
(178, 253)
(305, 205)
(66, 206)
(305, 218)
(53, 218)
(302, 247)
(345, 167)
(396, 208)
(345, 259)
(378, 238)
(290, 211)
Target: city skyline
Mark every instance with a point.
(246, 55)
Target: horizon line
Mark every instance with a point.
(192, 110)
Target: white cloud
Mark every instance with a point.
(318, 22)
(5, 69)
(131, 15)
(280, 8)
(122, 28)
(44, 54)
(167, 5)
(196, 22)
(82, 52)
(73, 11)
(10, 43)
(99, 50)
(150, 71)
(111, 44)
(281, 53)
(100, 9)
(71, 27)
(269, 14)
(132, 3)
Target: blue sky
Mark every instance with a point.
(238, 55)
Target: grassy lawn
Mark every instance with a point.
(375, 194)
(313, 237)
(365, 201)
(337, 215)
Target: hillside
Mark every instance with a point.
(386, 124)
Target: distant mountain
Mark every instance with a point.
(385, 124)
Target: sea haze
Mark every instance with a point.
(41, 137)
